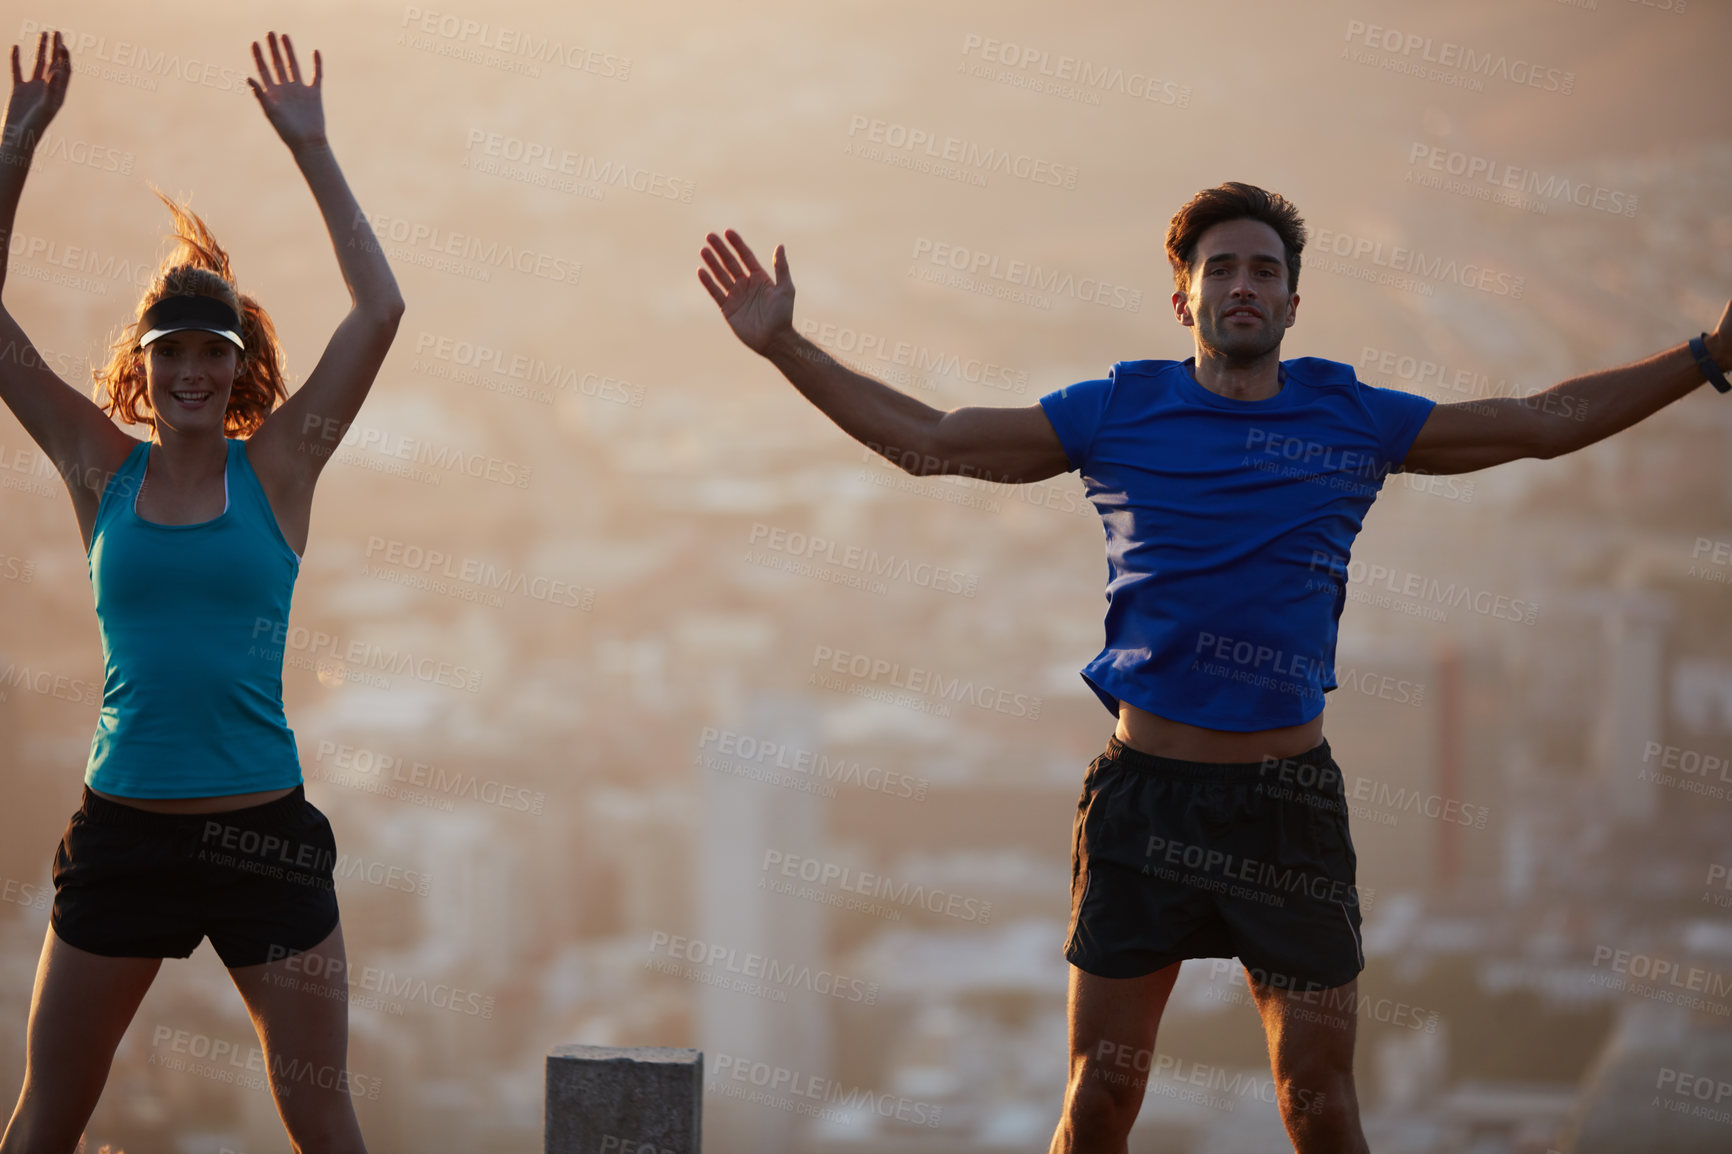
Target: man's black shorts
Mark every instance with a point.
(1179, 859)
(129, 883)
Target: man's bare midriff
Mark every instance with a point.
(1142, 730)
(197, 804)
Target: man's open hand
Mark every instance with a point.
(757, 307)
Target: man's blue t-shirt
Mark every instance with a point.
(1228, 525)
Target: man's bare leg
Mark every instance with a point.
(1113, 1022)
(1311, 1056)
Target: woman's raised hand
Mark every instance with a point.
(293, 107)
(35, 101)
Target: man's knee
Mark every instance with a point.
(1319, 1087)
(1103, 1091)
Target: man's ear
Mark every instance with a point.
(1182, 309)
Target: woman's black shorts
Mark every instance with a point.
(1182, 859)
(130, 883)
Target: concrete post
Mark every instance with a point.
(624, 1100)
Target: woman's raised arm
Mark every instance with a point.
(294, 442)
(67, 425)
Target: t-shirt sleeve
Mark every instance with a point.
(1075, 412)
(1398, 416)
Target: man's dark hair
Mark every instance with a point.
(1233, 200)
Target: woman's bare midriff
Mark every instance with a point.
(197, 804)
(1144, 731)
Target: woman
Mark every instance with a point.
(194, 820)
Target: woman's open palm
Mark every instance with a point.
(293, 107)
(35, 101)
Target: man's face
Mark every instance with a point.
(1238, 301)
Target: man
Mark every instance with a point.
(1231, 486)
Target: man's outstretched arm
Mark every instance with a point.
(1001, 444)
(1462, 437)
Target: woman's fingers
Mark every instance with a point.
(294, 65)
(259, 59)
(277, 59)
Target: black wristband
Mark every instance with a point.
(1699, 350)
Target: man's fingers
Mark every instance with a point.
(781, 263)
(318, 68)
(723, 277)
(727, 256)
(746, 254)
(720, 297)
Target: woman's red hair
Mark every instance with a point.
(198, 265)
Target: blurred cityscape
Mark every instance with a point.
(648, 709)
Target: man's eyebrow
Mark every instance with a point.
(1262, 257)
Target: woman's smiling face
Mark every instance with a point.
(188, 378)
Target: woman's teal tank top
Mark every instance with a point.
(192, 697)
